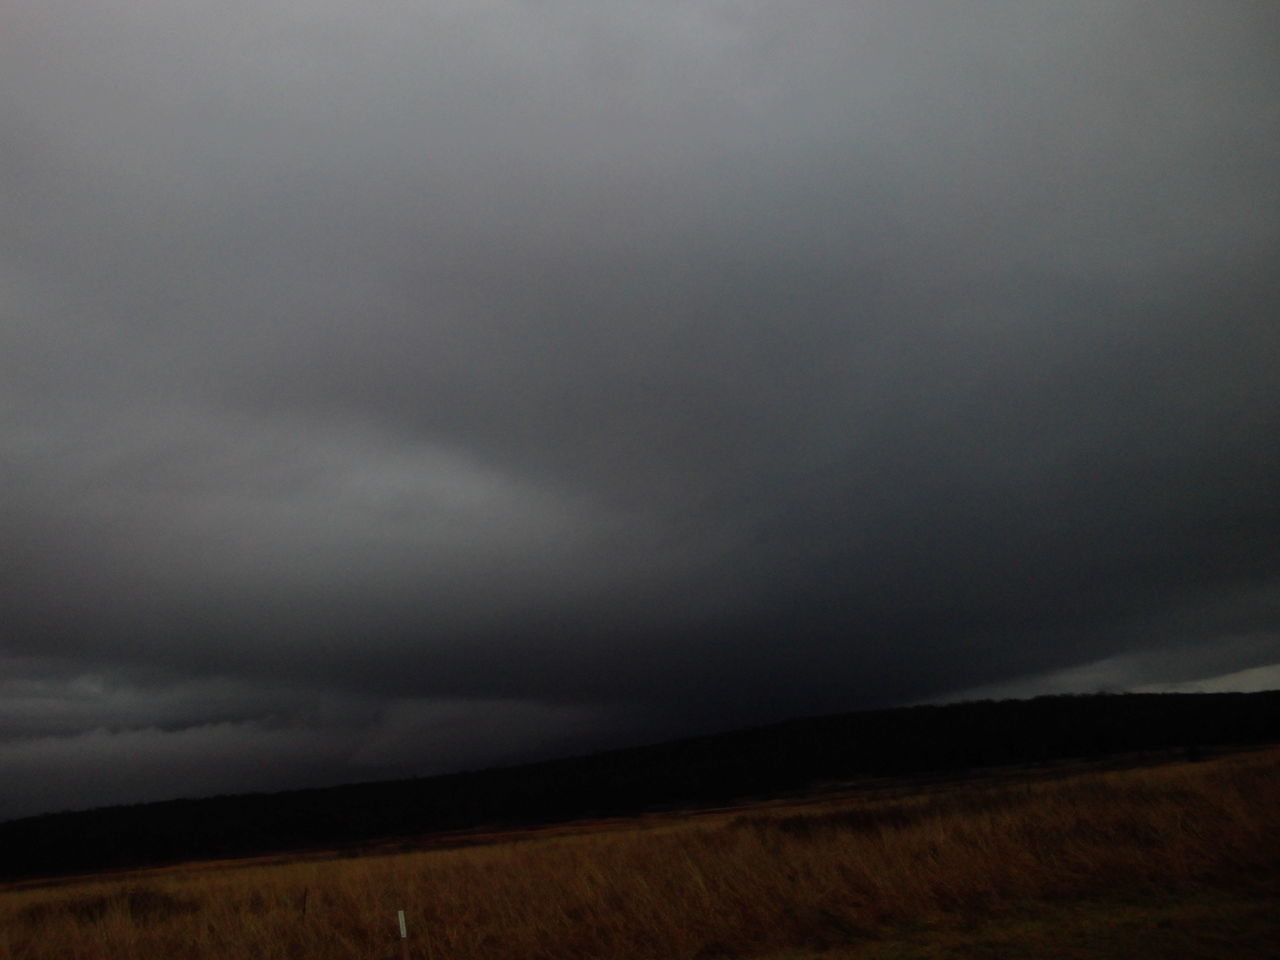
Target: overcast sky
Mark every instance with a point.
(396, 387)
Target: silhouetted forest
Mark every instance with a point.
(704, 771)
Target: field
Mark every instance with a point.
(1176, 860)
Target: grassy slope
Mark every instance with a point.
(1174, 861)
(1201, 926)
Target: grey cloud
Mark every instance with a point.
(104, 741)
(42, 697)
(99, 767)
(644, 367)
(1193, 668)
(469, 734)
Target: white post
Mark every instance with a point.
(404, 935)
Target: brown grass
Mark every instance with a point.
(970, 869)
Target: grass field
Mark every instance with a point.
(1179, 860)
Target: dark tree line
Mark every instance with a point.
(765, 761)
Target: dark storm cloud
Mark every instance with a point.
(406, 387)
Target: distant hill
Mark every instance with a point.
(704, 771)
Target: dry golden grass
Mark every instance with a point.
(971, 870)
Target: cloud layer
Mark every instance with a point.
(403, 387)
